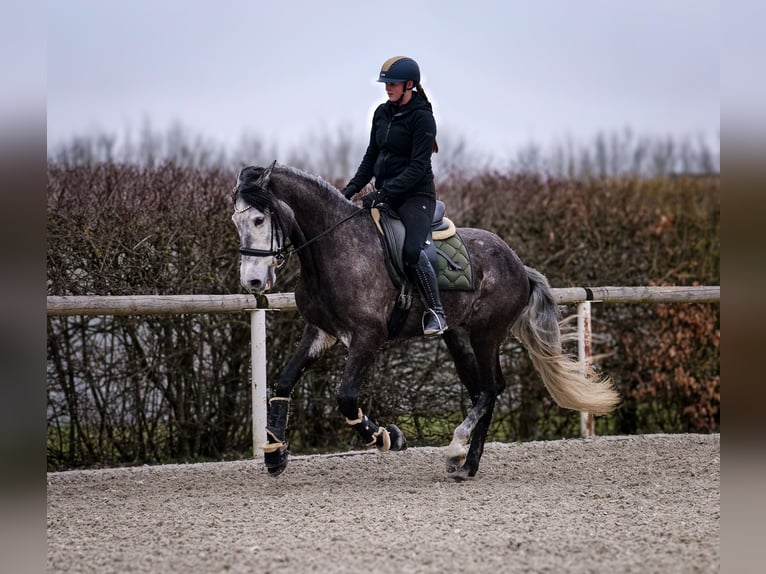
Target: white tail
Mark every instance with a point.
(538, 330)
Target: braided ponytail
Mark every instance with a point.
(422, 92)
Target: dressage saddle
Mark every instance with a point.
(444, 248)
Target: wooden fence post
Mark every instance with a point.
(259, 378)
(584, 351)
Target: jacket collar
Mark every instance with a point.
(416, 103)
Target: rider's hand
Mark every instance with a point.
(373, 199)
(349, 192)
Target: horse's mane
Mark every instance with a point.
(260, 198)
(252, 193)
(315, 179)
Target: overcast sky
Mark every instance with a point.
(499, 73)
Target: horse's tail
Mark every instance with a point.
(538, 329)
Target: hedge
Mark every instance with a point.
(135, 390)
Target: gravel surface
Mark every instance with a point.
(646, 503)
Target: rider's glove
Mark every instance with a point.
(373, 199)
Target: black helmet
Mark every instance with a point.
(399, 69)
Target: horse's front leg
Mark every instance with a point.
(360, 357)
(312, 344)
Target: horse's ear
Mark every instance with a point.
(263, 181)
(239, 178)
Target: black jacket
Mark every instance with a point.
(399, 152)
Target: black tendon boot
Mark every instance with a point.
(389, 438)
(371, 434)
(275, 451)
(434, 322)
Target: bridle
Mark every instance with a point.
(281, 252)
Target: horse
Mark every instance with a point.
(344, 293)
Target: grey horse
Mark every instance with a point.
(280, 210)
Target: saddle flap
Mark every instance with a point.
(392, 234)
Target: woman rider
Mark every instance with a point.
(402, 139)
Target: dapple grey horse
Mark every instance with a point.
(345, 294)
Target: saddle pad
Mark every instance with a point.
(451, 278)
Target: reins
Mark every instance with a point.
(325, 232)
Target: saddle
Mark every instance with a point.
(444, 248)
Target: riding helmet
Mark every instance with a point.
(399, 69)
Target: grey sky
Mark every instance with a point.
(500, 73)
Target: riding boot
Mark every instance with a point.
(434, 322)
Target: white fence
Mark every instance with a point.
(258, 306)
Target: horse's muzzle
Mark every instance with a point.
(257, 286)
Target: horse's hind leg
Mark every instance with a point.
(471, 465)
(481, 375)
(313, 342)
(459, 344)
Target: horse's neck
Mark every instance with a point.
(314, 209)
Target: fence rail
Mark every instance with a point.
(177, 304)
(258, 305)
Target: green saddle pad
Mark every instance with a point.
(455, 272)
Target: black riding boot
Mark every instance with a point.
(424, 276)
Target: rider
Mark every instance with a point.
(402, 139)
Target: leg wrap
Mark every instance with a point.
(276, 423)
(272, 443)
(371, 434)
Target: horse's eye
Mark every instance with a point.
(259, 220)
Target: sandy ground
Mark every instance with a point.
(612, 504)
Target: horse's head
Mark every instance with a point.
(256, 219)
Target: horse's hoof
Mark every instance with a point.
(398, 440)
(456, 456)
(454, 464)
(277, 470)
(461, 474)
(276, 461)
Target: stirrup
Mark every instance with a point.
(441, 323)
